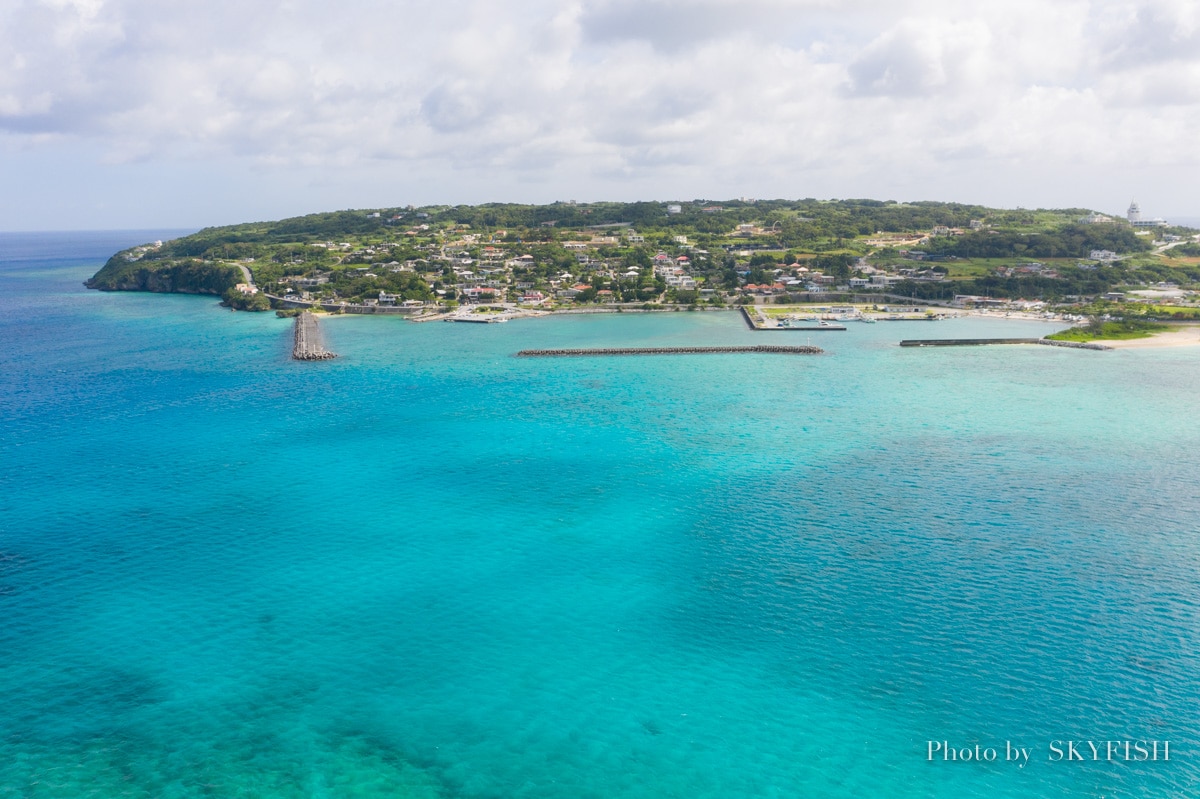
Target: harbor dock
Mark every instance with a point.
(761, 323)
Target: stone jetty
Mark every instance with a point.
(781, 350)
(309, 345)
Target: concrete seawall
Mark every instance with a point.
(781, 350)
(308, 344)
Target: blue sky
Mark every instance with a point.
(134, 114)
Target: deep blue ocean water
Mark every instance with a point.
(430, 569)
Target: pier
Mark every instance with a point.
(308, 344)
(779, 350)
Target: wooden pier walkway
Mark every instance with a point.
(308, 345)
(781, 350)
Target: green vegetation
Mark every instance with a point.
(1110, 331)
(186, 276)
(245, 302)
(1186, 250)
(651, 253)
(1137, 311)
(1069, 241)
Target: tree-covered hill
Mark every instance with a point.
(185, 276)
(502, 249)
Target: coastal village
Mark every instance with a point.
(841, 259)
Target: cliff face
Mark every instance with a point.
(166, 277)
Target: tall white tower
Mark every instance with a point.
(1134, 214)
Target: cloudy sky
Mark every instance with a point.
(141, 113)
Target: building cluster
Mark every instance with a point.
(1134, 215)
(611, 263)
(137, 253)
(491, 268)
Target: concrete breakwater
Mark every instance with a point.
(781, 350)
(974, 342)
(965, 342)
(308, 344)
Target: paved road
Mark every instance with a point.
(1165, 247)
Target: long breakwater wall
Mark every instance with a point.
(975, 342)
(781, 350)
(964, 342)
(308, 344)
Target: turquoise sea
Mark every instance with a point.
(431, 569)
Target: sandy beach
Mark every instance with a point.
(1186, 337)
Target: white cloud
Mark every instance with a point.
(729, 95)
(1148, 33)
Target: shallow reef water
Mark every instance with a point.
(431, 569)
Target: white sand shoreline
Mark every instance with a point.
(1187, 337)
